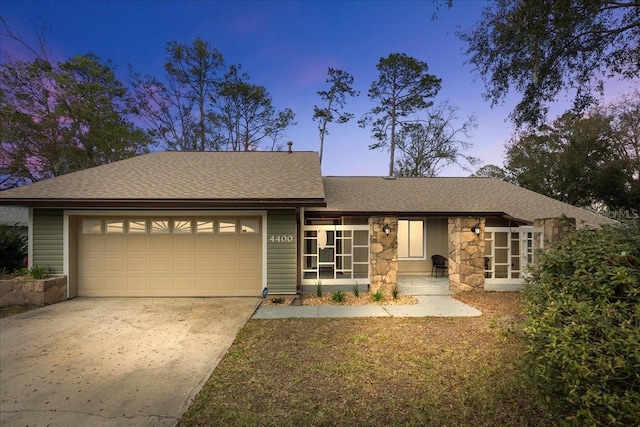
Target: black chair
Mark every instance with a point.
(438, 263)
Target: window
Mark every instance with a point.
(91, 226)
(182, 226)
(226, 226)
(159, 226)
(249, 225)
(411, 238)
(204, 227)
(114, 226)
(137, 226)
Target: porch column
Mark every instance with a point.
(466, 254)
(383, 253)
(553, 229)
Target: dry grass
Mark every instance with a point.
(372, 372)
(10, 310)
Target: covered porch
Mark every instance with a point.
(384, 253)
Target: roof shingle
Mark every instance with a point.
(188, 176)
(445, 195)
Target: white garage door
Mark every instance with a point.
(149, 257)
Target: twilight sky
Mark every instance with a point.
(287, 47)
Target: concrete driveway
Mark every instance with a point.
(113, 361)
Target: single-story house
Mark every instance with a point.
(238, 223)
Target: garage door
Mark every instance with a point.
(169, 256)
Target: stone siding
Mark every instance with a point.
(466, 254)
(553, 229)
(36, 292)
(384, 254)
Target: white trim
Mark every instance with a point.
(264, 250)
(30, 240)
(150, 213)
(65, 250)
(523, 253)
(332, 264)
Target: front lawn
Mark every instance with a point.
(373, 372)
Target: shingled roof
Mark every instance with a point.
(444, 196)
(184, 179)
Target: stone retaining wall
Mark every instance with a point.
(31, 291)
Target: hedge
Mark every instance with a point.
(582, 327)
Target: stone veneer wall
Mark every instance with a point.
(384, 254)
(553, 229)
(466, 255)
(30, 291)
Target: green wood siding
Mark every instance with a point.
(48, 239)
(281, 253)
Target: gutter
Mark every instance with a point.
(164, 203)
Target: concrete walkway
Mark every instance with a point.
(433, 295)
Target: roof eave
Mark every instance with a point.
(164, 203)
(328, 212)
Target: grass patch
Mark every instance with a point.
(372, 372)
(10, 310)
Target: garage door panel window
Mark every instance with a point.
(137, 226)
(114, 226)
(182, 226)
(250, 225)
(160, 226)
(205, 227)
(92, 226)
(227, 226)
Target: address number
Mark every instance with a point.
(281, 238)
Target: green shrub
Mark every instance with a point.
(277, 300)
(582, 331)
(339, 296)
(39, 272)
(13, 249)
(395, 292)
(377, 296)
(319, 291)
(356, 290)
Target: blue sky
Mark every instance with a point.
(286, 46)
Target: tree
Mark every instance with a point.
(430, 145)
(245, 113)
(490, 171)
(402, 89)
(586, 160)
(541, 47)
(335, 100)
(178, 110)
(62, 118)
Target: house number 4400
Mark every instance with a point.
(281, 238)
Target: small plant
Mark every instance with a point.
(377, 296)
(395, 292)
(356, 290)
(339, 296)
(39, 272)
(319, 288)
(13, 249)
(277, 300)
